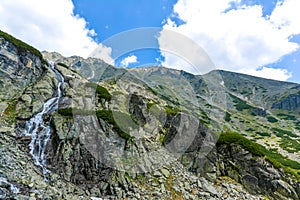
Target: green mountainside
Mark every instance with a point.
(144, 133)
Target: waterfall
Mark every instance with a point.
(39, 129)
(14, 189)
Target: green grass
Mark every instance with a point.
(290, 145)
(10, 113)
(249, 129)
(63, 65)
(244, 92)
(67, 67)
(156, 111)
(297, 125)
(279, 161)
(101, 92)
(21, 46)
(150, 104)
(148, 88)
(286, 116)
(280, 133)
(264, 134)
(240, 105)
(124, 119)
(171, 110)
(108, 117)
(73, 111)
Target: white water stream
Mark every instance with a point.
(39, 129)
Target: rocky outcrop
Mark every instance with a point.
(290, 103)
(258, 112)
(257, 175)
(18, 68)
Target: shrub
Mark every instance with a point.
(65, 111)
(264, 134)
(73, 111)
(171, 110)
(150, 104)
(10, 113)
(280, 133)
(272, 119)
(108, 117)
(63, 65)
(289, 145)
(286, 117)
(235, 138)
(240, 105)
(67, 67)
(101, 92)
(227, 117)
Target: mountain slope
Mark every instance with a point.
(152, 133)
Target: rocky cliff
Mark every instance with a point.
(126, 134)
(290, 103)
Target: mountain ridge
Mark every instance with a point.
(55, 56)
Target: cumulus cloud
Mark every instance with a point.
(180, 52)
(270, 73)
(48, 25)
(103, 52)
(129, 60)
(238, 38)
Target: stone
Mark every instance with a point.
(157, 174)
(27, 99)
(187, 185)
(162, 188)
(176, 188)
(250, 182)
(165, 172)
(156, 194)
(3, 106)
(208, 187)
(199, 184)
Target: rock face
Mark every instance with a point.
(257, 175)
(18, 69)
(290, 103)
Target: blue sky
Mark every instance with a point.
(109, 18)
(257, 37)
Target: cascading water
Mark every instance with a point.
(39, 129)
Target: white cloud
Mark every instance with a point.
(48, 25)
(180, 52)
(129, 60)
(270, 73)
(240, 38)
(104, 53)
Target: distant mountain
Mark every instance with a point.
(142, 133)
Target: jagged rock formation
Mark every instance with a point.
(18, 68)
(257, 175)
(125, 134)
(290, 103)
